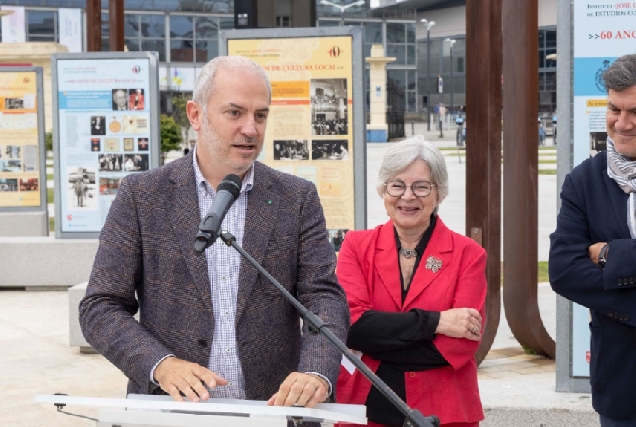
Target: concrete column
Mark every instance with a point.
(377, 129)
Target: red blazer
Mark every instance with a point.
(369, 273)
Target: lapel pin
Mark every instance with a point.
(269, 202)
(433, 264)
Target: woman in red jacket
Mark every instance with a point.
(416, 293)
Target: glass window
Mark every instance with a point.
(541, 39)
(372, 32)
(155, 45)
(398, 51)
(411, 79)
(206, 50)
(411, 59)
(550, 39)
(132, 44)
(153, 26)
(410, 33)
(41, 23)
(131, 25)
(550, 63)
(105, 26)
(395, 33)
(206, 27)
(181, 51)
(226, 23)
(181, 26)
(550, 81)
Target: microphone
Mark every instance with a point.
(227, 192)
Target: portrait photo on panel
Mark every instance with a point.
(330, 150)
(110, 162)
(136, 99)
(81, 188)
(120, 100)
(294, 149)
(98, 125)
(329, 107)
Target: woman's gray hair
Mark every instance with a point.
(204, 86)
(621, 74)
(400, 156)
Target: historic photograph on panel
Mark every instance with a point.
(13, 103)
(295, 149)
(29, 184)
(135, 162)
(330, 150)
(598, 142)
(109, 186)
(98, 125)
(336, 237)
(96, 144)
(136, 99)
(329, 107)
(8, 184)
(81, 188)
(120, 100)
(110, 162)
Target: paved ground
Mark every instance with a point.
(37, 359)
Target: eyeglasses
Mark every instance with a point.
(398, 188)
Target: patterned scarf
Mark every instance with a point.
(623, 170)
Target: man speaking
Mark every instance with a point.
(210, 325)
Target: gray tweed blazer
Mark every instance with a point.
(146, 262)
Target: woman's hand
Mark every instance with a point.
(460, 323)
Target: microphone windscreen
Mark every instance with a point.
(232, 184)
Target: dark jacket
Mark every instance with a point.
(146, 261)
(594, 209)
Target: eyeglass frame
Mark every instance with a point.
(386, 188)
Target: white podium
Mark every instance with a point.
(161, 411)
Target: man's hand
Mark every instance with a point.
(594, 250)
(176, 376)
(460, 323)
(300, 389)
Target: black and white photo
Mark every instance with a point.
(330, 150)
(295, 149)
(329, 107)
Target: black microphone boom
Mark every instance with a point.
(226, 193)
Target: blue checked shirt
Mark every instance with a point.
(223, 270)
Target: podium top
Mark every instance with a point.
(330, 412)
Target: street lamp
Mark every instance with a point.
(452, 42)
(342, 8)
(428, 71)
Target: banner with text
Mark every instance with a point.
(106, 130)
(310, 126)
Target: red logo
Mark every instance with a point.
(335, 52)
(136, 69)
(588, 356)
(69, 217)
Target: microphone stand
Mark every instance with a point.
(414, 418)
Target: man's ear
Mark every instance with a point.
(195, 114)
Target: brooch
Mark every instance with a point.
(433, 264)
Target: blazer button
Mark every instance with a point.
(203, 343)
(412, 374)
(620, 282)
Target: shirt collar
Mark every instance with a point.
(248, 179)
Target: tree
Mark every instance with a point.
(180, 116)
(170, 136)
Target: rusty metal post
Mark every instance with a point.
(483, 148)
(116, 25)
(93, 26)
(520, 171)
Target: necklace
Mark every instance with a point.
(408, 253)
